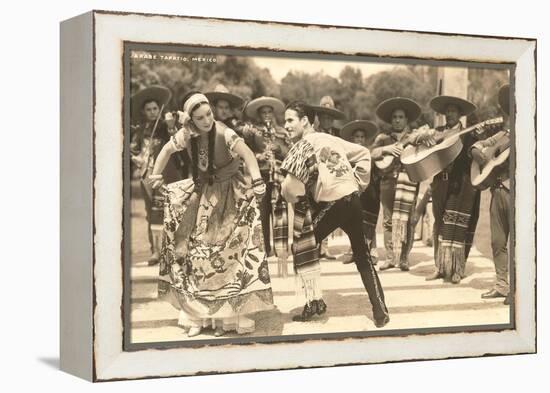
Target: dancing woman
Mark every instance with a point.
(213, 254)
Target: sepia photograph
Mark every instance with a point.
(276, 197)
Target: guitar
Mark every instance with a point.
(422, 162)
(389, 161)
(497, 158)
(385, 165)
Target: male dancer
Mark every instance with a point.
(324, 177)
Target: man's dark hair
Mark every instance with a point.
(302, 109)
(148, 101)
(215, 102)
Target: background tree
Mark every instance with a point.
(483, 87)
(354, 94)
(238, 73)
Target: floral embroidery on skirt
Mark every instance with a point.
(213, 261)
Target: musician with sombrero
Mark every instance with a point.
(500, 202)
(149, 134)
(398, 193)
(327, 113)
(146, 116)
(454, 200)
(225, 104)
(363, 132)
(270, 143)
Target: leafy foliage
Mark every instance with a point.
(356, 95)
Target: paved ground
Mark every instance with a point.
(412, 301)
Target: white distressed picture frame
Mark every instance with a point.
(92, 198)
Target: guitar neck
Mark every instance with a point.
(405, 140)
(481, 125)
(470, 129)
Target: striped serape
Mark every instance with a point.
(404, 203)
(457, 232)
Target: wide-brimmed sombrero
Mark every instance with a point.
(160, 94)
(385, 109)
(440, 104)
(222, 93)
(251, 109)
(326, 106)
(368, 126)
(504, 99)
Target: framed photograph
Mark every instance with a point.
(247, 195)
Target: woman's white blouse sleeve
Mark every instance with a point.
(231, 140)
(178, 140)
